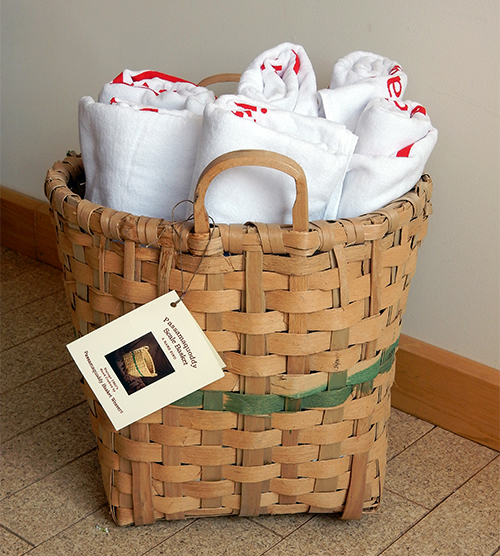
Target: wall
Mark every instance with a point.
(56, 51)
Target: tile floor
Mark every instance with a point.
(442, 494)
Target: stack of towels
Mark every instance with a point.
(149, 137)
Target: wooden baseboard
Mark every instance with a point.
(25, 227)
(448, 390)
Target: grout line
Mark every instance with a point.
(33, 337)
(103, 506)
(401, 535)
(497, 551)
(456, 489)
(169, 536)
(274, 532)
(38, 265)
(412, 443)
(57, 291)
(409, 499)
(430, 511)
(3, 392)
(284, 537)
(66, 528)
(43, 422)
(18, 536)
(65, 464)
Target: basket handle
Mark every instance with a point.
(253, 157)
(220, 78)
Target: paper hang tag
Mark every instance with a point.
(146, 359)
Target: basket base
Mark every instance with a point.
(343, 478)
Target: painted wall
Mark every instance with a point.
(56, 51)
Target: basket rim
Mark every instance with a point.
(322, 236)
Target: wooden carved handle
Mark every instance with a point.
(220, 78)
(268, 159)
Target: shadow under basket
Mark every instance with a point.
(307, 318)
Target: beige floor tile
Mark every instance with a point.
(218, 536)
(51, 489)
(12, 545)
(324, 535)
(403, 431)
(37, 401)
(14, 264)
(37, 282)
(466, 524)
(436, 465)
(53, 504)
(41, 355)
(44, 449)
(89, 537)
(282, 525)
(34, 319)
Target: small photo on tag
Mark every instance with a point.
(140, 363)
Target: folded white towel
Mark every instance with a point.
(358, 78)
(158, 90)
(137, 159)
(242, 194)
(396, 139)
(284, 77)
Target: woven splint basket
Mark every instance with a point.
(139, 363)
(307, 319)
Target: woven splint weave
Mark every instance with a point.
(307, 319)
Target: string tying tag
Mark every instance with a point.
(176, 225)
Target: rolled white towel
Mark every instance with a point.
(242, 194)
(385, 126)
(395, 141)
(284, 77)
(358, 78)
(158, 90)
(137, 159)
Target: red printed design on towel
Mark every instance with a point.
(150, 75)
(395, 87)
(145, 109)
(276, 68)
(419, 109)
(395, 69)
(296, 67)
(248, 111)
(405, 152)
(403, 107)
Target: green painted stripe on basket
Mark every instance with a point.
(135, 363)
(328, 398)
(254, 404)
(383, 365)
(213, 400)
(194, 399)
(337, 380)
(386, 367)
(387, 358)
(365, 375)
(292, 405)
